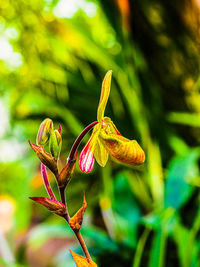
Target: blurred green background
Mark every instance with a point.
(53, 57)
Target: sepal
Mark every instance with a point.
(51, 204)
(105, 91)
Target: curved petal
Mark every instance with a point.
(122, 149)
(100, 153)
(105, 91)
(86, 159)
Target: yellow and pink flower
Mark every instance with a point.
(106, 139)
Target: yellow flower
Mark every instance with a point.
(106, 139)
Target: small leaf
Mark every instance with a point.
(82, 261)
(76, 221)
(66, 173)
(47, 159)
(51, 204)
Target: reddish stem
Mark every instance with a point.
(79, 139)
(83, 245)
(46, 182)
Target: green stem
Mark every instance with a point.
(140, 247)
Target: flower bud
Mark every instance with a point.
(51, 204)
(44, 132)
(66, 173)
(55, 143)
(47, 159)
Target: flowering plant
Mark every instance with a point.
(105, 140)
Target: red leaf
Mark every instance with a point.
(51, 204)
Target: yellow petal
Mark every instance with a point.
(105, 91)
(122, 149)
(101, 154)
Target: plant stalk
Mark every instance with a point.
(83, 245)
(79, 139)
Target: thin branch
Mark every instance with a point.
(79, 139)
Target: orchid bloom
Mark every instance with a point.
(106, 139)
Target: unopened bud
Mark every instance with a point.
(47, 159)
(44, 132)
(55, 143)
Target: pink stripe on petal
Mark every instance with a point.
(86, 159)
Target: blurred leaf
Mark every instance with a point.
(158, 249)
(190, 119)
(99, 239)
(181, 170)
(155, 174)
(43, 232)
(127, 211)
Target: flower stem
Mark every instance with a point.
(62, 194)
(81, 241)
(83, 245)
(79, 139)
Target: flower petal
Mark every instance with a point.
(101, 154)
(86, 159)
(122, 149)
(105, 91)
